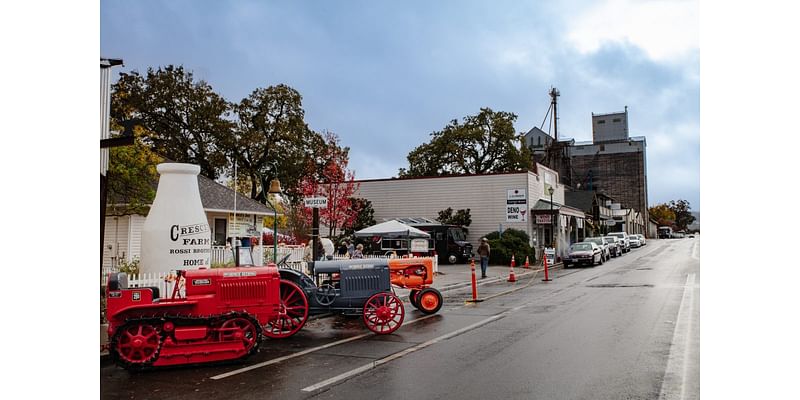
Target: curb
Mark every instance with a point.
(455, 286)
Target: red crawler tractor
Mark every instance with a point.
(222, 316)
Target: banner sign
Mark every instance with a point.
(543, 219)
(242, 225)
(550, 254)
(419, 245)
(516, 205)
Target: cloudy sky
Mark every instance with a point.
(383, 75)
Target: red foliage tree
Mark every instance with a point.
(334, 181)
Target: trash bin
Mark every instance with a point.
(245, 242)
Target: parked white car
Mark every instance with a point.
(603, 243)
(615, 245)
(626, 244)
(634, 240)
(642, 239)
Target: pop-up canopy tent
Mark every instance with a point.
(392, 230)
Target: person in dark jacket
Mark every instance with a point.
(484, 250)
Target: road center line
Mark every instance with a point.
(674, 384)
(377, 363)
(306, 351)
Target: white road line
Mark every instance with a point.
(674, 384)
(376, 363)
(307, 351)
(695, 252)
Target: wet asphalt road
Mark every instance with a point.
(607, 332)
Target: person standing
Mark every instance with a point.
(351, 248)
(484, 250)
(359, 252)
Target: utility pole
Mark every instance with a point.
(105, 142)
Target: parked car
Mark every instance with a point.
(626, 244)
(634, 241)
(642, 239)
(586, 253)
(614, 245)
(603, 243)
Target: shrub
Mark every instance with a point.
(511, 242)
(130, 268)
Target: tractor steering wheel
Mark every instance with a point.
(282, 261)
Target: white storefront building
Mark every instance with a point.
(496, 202)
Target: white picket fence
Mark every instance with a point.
(165, 282)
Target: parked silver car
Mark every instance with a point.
(583, 253)
(642, 239)
(634, 240)
(614, 245)
(603, 243)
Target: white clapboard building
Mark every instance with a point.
(500, 201)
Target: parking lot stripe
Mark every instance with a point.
(377, 363)
(307, 351)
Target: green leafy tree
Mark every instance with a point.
(663, 214)
(184, 120)
(132, 179)
(482, 143)
(365, 216)
(683, 215)
(461, 218)
(271, 139)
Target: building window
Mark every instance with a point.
(616, 120)
(539, 141)
(602, 121)
(220, 231)
(602, 147)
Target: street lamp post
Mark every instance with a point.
(274, 188)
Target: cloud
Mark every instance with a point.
(665, 30)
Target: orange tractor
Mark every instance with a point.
(416, 274)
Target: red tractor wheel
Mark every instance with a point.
(292, 315)
(413, 296)
(383, 313)
(136, 344)
(429, 301)
(241, 328)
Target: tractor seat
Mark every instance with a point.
(119, 281)
(155, 291)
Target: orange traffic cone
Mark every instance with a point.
(527, 264)
(512, 277)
